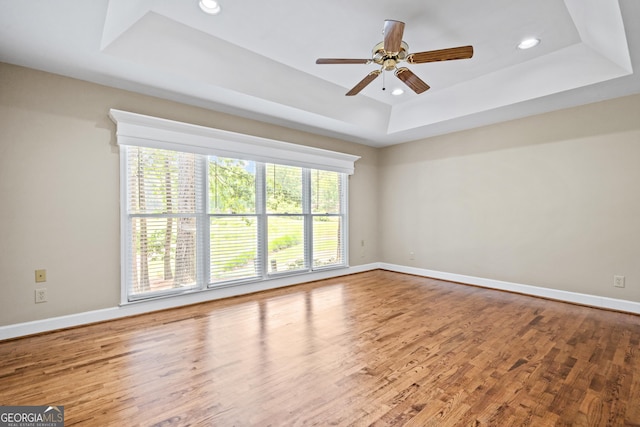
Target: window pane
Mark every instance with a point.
(327, 241)
(284, 189)
(325, 192)
(234, 248)
(163, 254)
(285, 243)
(232, 186)
(161, 181)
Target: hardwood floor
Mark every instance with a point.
(376, 348)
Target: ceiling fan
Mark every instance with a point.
(393, 50)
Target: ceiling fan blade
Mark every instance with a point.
(411, 80)
(342, 61)
(462, 52)
(364, 82)
(393, 31)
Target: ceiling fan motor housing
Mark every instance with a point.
(389, 60)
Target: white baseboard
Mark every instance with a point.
(555, 294)
(78, 319)
(111, 313)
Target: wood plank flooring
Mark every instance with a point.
(376, 348)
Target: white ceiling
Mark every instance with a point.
(257, 58)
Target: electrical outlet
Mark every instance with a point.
(618, 281)
(412, 256)
(41, 295)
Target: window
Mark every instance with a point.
(195, 218)
(162, 220)
(233, 220)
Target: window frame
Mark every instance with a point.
(150, 132)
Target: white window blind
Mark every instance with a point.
(161, 220)
(233, 220)
(327, 204)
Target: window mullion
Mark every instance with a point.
(203, 262)
(308, 225)
(126, 249)
(261, 211)
(344, 213)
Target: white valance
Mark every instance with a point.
(146, 131)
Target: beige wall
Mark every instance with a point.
(550, 201)
(59, 188)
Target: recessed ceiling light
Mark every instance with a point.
(528, 43)
(209, 6)
(397, 92)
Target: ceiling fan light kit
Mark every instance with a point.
(393, 50)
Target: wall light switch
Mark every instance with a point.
(41, 276)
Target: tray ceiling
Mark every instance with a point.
(257, 59)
